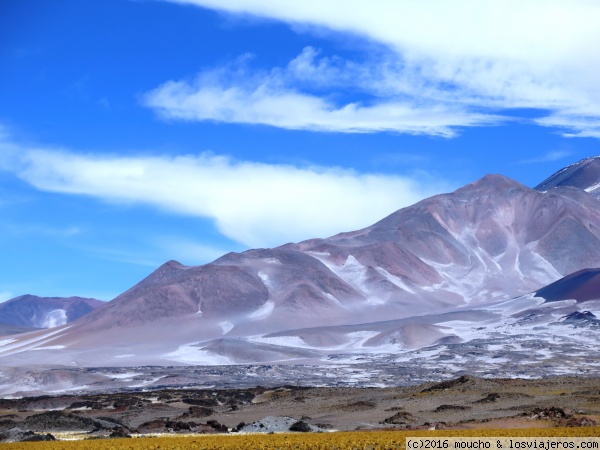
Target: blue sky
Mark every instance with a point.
(135, 132)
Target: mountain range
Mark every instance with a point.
(494, 263)
(30, 311)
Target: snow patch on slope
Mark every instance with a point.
(592, 188)
(395, 280)
(226, 326)
(264, 311)
(266, 280)
(17, 346)
(332, 298)
(50, 347)
(124, 376)
(352, 271)
(271, 261)
(282, 341)
(193, 355)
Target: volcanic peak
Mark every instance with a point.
(584, 175)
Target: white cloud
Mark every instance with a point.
(286, 108)
(466, 53)
(574, 125)
(253, 203)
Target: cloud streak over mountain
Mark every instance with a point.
(237, 94)
(256, 204)
(447, 65)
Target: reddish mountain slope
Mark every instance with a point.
(491, 240)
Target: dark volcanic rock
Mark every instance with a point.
(489, 398)
(400, 418)
(200, 401)
(451, 408)
(579, 316)
(18, 435)
(85, 404)
(120, 433)
(217, 426)
(38, 437)
(60, 421)
(447, 384)
(7, 424)
(197, 412)
(178, 426)
(552, 412)
(300, 426)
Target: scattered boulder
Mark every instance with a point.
(164, 425)
(87, 404)
(275, 424)
(60, 421)
(120, 433)
(239, 426)
(18, 435)
(442, 408)
(435, 426)
(152, 426)
(579, 422)
(447, 384)
(126, 402)
(552, 412)
(110, 420)
(561, 417)
(29, 436)
(489, 398)
(579, 316)
(196, 412)
(300, 426)
(400, 418)
(358, 406)
(581, 319)
(217, 426)
(200, 401)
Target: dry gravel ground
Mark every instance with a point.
(464, 402)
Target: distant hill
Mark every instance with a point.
(31, 311)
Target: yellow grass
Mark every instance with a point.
(297, 441)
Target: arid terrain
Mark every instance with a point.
(461, 403)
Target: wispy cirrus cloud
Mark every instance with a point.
(252, 203)
(573, 124)
(554, 155)
(289, 98)
(451, 64)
